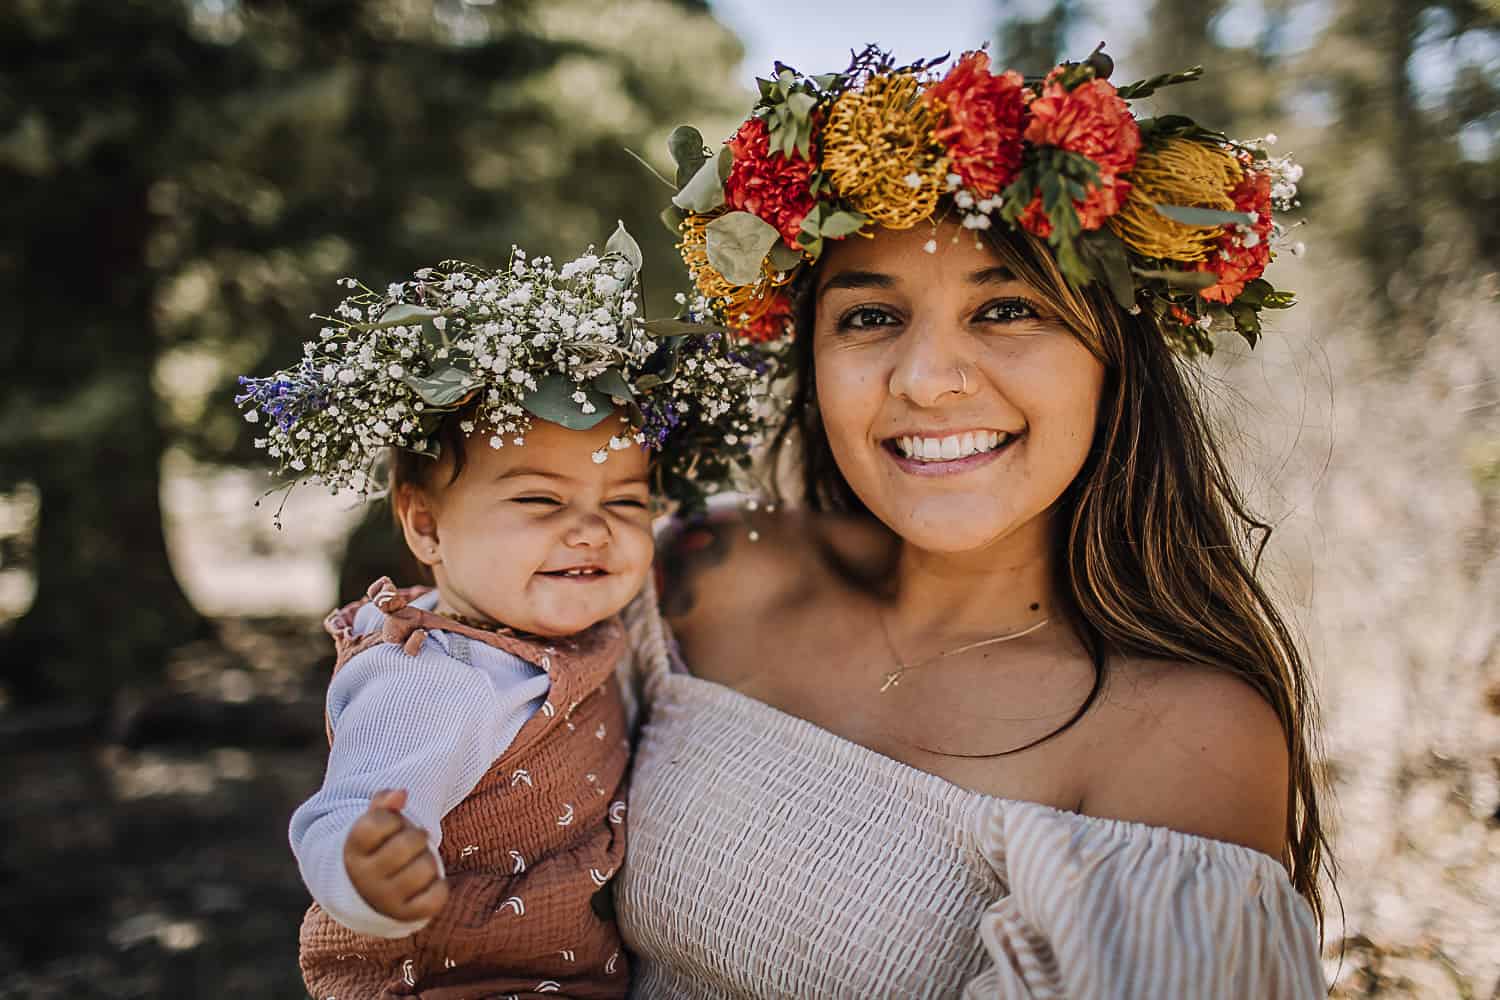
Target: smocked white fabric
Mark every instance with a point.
(771, 858)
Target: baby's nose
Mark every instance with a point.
(588, 531)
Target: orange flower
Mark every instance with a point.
(1242, 257)
(983, 121)
(774, 187)
(1094, 121)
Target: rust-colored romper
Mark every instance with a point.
(529, 854)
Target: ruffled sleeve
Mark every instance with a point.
(1108, 909)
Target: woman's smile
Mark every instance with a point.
(948, 454)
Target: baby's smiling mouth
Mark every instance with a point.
(579, 573)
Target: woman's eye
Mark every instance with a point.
(628, 502)
(865, 317)
(543, 501)
(1008, 311)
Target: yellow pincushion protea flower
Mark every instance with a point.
(1178, 172)
(880, 154)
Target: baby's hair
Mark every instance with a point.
(407, 468)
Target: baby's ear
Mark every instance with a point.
(418, 517)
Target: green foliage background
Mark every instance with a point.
(183, 181)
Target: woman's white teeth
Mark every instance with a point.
(951, 447)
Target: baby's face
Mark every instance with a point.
(539, 536)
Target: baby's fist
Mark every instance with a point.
(390, 864)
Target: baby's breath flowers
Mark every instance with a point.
(501, 348)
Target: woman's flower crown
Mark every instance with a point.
(565, 344)
(1164, 213)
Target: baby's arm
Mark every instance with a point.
(429, 724)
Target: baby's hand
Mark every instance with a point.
(390, 864)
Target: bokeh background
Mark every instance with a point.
(181, 181)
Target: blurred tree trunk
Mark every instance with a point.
(108, 607)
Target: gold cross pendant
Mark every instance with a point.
(892, 679)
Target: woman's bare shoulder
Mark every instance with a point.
(1192, 748)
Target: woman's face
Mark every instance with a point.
(957, 405)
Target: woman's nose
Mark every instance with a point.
(927, 368)
(588, 531)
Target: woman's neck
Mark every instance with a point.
(955, 597)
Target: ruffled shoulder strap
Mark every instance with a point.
(648, 658)
(1113, 909)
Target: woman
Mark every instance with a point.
(1001, 710)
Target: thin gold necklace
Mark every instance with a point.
(893, 678)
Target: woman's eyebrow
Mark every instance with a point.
(991, 275)
(857, 279)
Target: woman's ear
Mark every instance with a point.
(418, 517)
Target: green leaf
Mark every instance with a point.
(842, 223)
(1195, 280)
(783, 257)
(725, 161)
(801, 105)
(612, 383)
(672, 217)
(1147, 87)
(1106, 253)
(648, 382)
(686, 146)
(766, 88)
(403, 314)
(553, 400)
(1207, 217)
(663, 328)
(737, 244)
(623, 244)
(704, 192)
(1246, 321)
(446, 388)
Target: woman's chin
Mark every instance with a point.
(949, 524)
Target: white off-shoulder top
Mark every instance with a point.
(768, 857)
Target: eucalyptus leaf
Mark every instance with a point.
(403, 314)
(725, 161)
(445, 388)
(1195, 280)
(648, 382)
(842, 224)
(783, 257)
(672, 217)
(622, 243)
(686, 146)
(553, 400)
(737, 244)
(1190, 216)
(612, 383)
(704, 193)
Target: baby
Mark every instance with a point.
(471, 818)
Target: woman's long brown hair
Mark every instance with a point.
(1156, 548)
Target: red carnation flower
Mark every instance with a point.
(984, 122)
(1242, 257)
(775, 188)
(1094, 121)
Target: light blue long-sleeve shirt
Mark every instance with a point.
(431, 724)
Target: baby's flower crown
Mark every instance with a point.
(1165, 214)
(565, 344)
